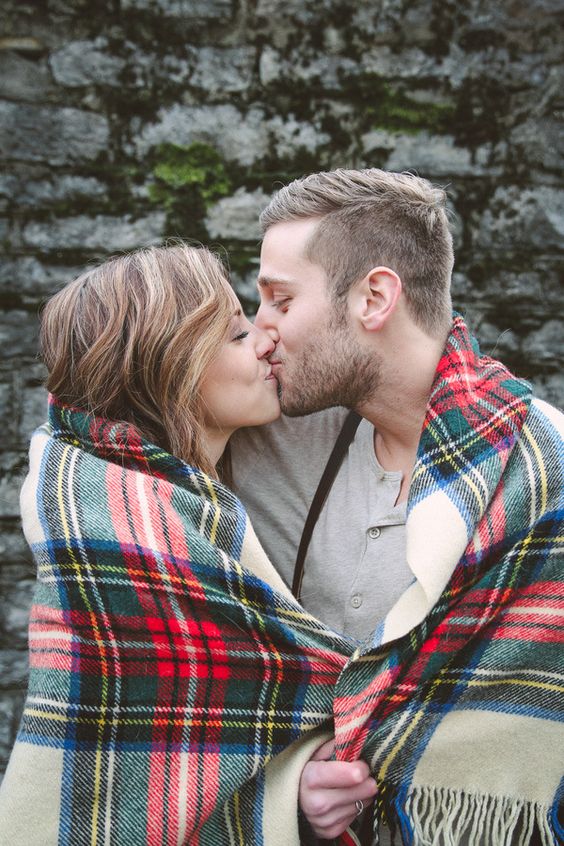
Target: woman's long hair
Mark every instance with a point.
(130, 340)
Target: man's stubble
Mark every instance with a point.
(332, 369)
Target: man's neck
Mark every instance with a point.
(397, 410)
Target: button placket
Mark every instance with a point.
(374, 532)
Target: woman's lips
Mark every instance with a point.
(274, 363)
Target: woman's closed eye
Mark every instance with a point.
(241, 335)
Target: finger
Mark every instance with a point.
(334, 823)
(325, 806)
(334, 774)
(325, 752)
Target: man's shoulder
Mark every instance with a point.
(546, 418)
(544, 432)
(541, 449)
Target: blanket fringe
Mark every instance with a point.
(441, 816)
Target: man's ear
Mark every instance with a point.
(377, 296)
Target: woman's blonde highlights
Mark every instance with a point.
(131, 339)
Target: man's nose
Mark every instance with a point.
(266, 324)
(265, 343)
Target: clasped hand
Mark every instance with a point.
(329, 790)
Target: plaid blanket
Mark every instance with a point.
(177, 689)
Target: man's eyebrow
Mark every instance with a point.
(268, 281)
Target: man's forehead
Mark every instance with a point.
(289, 237)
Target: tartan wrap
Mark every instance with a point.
(175, 684)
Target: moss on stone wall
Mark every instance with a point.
(386, 105)
(186, 180)
(398, 112)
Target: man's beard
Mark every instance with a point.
(333, 370)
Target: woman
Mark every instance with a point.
(171, 669)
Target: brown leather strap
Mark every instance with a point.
(338, 453)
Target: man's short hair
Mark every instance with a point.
(373, 217)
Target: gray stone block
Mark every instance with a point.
(271, 8)
(101, 233)
(34, 280)
(384, 62)
(289, 136)
(531, 289)
(246, 286)
(546, 345)
(15, 555)
(243, 138)
(51, 134)
(11, 706)
(8, 185)
(379, 23)
(7, 410)
(379, 139)
(551, 389)
(517, 216)
(29, 45)
(146, 68)
(39, 193)
(12, 474)
(218, 70)
(22, 79)
(272, 66)
(435, 156)
(497, 342)
(540, 142)
(300, 66)
(15, 608)
(206, 9)
(33, 411)
(7, 714)
(278, 14)
(18, 334)
(86, 63)
(237, 216)
(14, 668)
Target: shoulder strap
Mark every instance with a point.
(342, 443)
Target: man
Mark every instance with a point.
(355, 292)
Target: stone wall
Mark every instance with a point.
(125, 121)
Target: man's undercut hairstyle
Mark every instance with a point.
(371, 218)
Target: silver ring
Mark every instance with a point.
(359, 805)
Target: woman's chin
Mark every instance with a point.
(276, 414)
(270, 415)
(273, 411)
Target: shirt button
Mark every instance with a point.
(374, 532)
(356, 600)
